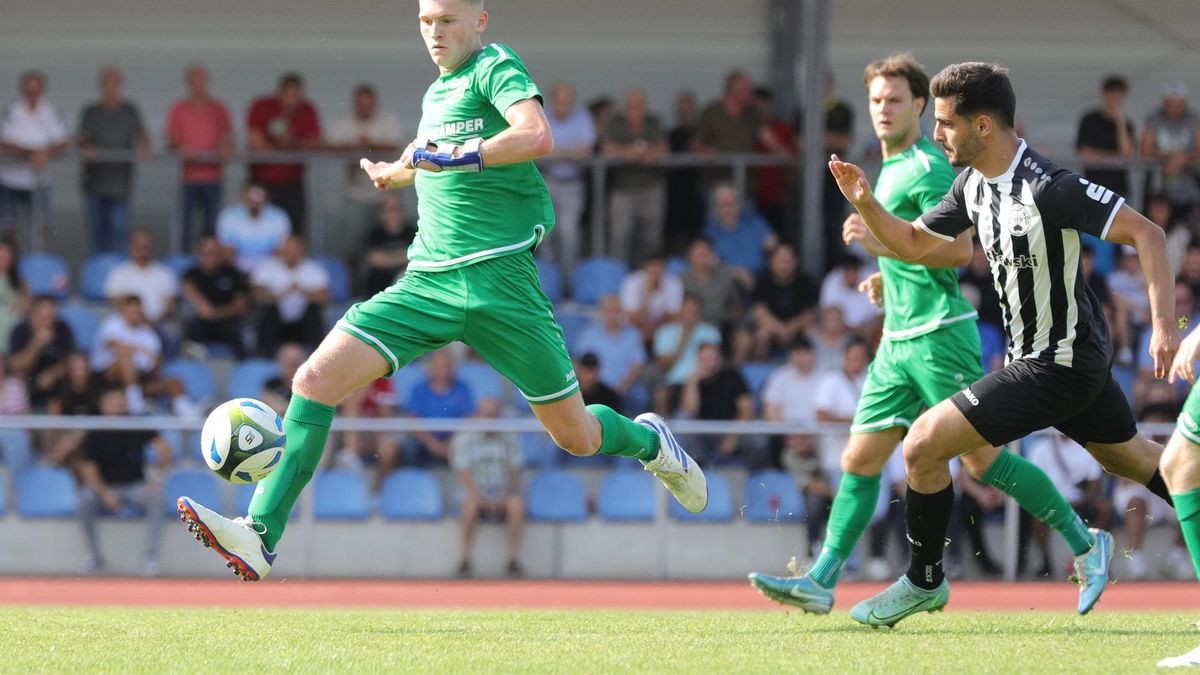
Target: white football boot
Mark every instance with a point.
(679, 472)
(237, 540)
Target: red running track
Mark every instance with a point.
(544, 594)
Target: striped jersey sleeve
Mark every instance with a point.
(949, 218)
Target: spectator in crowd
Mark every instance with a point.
(838, 139)
(836, 396)
(78, 393)
(141, 275)
(254, 229)
(601, 109)
(198, 124)
(675, 348)
(387, 246)
(729, 125)
(14, 295)
(717, 392)
(281, 122)
(619, 347)
(129, 353)
(109, 125)
(782, 306)
(638, 191)
(973, 501)
(379, 448)
(1189, 271)
(787, 393)
(292, 290)
(1179, 229)
(219, 296)
(488, 466)
(592, 387)
(574, 140)
(887, 521)
(1105, 136)
(992, 344)
(111, 465)
(368, 130)
(776, 184)
(830, 340)
(440, 394)
(40, 346)
(800, 460)
(1079, 479)
(1130, 301)
(685, 202)
(32, 132)
(715, 284)
(277, 391)
(840, 289)
(1170, 140)
(651, 296)
(740, 236)
(15, 442)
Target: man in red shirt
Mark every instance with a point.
(281, 122)
(199, 124)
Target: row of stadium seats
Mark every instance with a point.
(414, 494)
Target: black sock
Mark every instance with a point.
(1159, 487)
(927, 518)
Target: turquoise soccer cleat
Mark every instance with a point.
(898, 601)
(1091, 570)
(800, 592)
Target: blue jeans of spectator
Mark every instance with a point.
(16, 207)
(143, 498)
(200, 203)
(109, 218)
(16, 450)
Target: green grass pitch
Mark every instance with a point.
(121, 640)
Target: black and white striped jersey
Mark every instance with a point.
(1028, 220)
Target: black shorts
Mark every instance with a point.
(1029, 395)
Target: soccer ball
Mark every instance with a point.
(242, 440)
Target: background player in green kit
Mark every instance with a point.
(482, 210)
(930, 350)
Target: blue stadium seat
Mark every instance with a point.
(556, 496)
(248, 377)
(720, 503)
(596, 277)
(242, 495)
(772, 496)
(95, 273)
(339, 277)
(339, 495)
(47, 492)
(552, 283)
(411, 494)
(3, 493)
(199, 484)
(481, 379)
(537, 449)
(755, 373)
(573, 325)
(626, 496)
(196, 376)
(83, 321)
(180, 263)
(45, 274)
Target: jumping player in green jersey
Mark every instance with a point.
(482, 209)
(930, 350)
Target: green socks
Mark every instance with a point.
(1033, 490)
(306, 425)
(1187, 510)
(622, 436)
(851, 514)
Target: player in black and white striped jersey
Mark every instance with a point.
(1028, 214)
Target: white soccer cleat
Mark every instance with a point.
(237, 540)
(679, 473)
(1191, 658)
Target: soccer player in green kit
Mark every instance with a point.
(482, 210)
(930, 350)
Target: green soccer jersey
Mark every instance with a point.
(466, 217)
(917, 300)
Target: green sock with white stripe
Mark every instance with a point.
(622, 436)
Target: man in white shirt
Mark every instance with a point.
(574, 139)
(369, 130)
(836, 399)
(254, 229)
(651, 296)
(787, 394)
(128, 352)
(1079, 479)
(32, 132)
(141, 275)
(292, 289)
(840, 289)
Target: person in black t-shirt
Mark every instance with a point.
(112, 469)
(1106, 135)
(387, 246)
(783, 306)
(39, 349)
(717, 392)
(218, 294)
(587, 370)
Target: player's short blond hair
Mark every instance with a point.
(900, 64)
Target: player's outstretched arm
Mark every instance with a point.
(1132, 228)
(527, 138)
(897, 235)
(385, 175)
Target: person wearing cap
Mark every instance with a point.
(253, 229)
(593, 389)
(1171, 139)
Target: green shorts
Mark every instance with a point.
(1189, 418)
(496, 307)
(908, 376)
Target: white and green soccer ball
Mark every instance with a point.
(242, 440)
